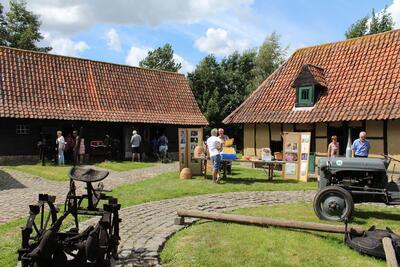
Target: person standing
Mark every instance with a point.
(81, 151)
(60, 142)
(42, 145)
(68, 148)
(136, 139)
(223, 138)
(333, 147)
(163, 147)
(214, 145)
(75, 148)
(361, 146)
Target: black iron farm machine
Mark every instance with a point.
(44, 243)
(345, 181)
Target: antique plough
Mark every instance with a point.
(45, 244)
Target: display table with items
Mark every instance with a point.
(267, 165)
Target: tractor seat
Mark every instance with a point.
(87, 175)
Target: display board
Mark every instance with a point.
(188, 139)
(296, 154)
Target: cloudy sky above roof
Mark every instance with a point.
(123, 31)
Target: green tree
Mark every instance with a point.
(23, 28)
(386, 22)
(357, 29)
(220, 87)
(3, 31)
(270, 56)
(206, 81)
(375, 23)
(237, 73)
(161, 58)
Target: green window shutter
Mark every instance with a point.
(305, 96)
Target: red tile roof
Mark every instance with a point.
(44, 86)
(316, 74)
(362, 77)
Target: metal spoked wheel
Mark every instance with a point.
(333, 203)
(41, 217)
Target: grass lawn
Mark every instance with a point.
(168, 185)
(120, 166)
(48, 172)
(163, 186)
(60, 173)
(10, 238)
(227, 244)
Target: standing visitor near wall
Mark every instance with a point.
(361, 146)
(60, 142)
(135, 143)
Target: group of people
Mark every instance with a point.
(360, 147)
(214, 145)
(159, 146)
(72, 144)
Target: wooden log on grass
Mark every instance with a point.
(391, 260)
(264, 221)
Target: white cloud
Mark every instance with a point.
(135, 55)
(186, 65)
(218, 41)
(113, 41)
(73, 16)
(64, 46)
(394, 9)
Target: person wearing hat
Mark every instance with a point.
(135, 143)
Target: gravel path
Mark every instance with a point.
(19, 189)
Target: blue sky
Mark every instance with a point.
(122, 31)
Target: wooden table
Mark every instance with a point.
(268, 166)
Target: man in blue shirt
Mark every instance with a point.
(361, 146)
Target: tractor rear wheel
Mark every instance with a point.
(333, 203)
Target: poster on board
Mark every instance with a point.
(296, 153)
(290, 169)
(305, 155)
(189, 138)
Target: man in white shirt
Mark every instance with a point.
(214, 148)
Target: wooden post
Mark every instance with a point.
(391, 260)
(385, 138)
(264, 221)
(255, 139)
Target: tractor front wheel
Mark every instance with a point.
(333, 203)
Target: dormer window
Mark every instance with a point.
(305, 96)
(309, 84)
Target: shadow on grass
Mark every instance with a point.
(374, 214)
(8, 182)
(245, 180)
(249, 180)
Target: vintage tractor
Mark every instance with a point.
(345, 181)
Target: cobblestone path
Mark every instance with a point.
(146, 227)
(19, 189)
